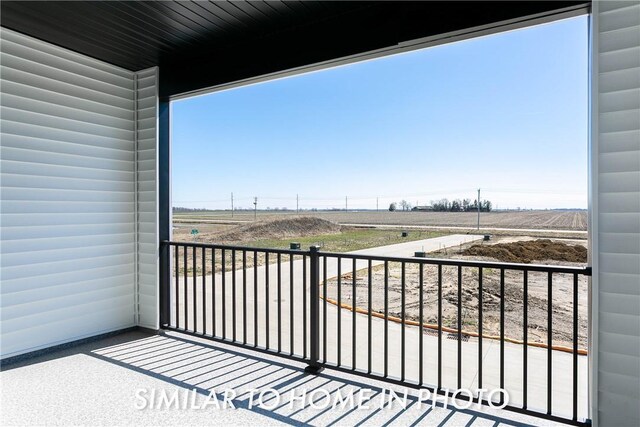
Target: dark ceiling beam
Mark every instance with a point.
(201, 45)
(371, 27)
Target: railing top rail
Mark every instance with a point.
(237, 248)
(464, 263)
(415, 260)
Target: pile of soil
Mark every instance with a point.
(278, 229)
(529, 251)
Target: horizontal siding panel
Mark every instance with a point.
(58, 171)
(70, 76)
(621, 283)
(623, 243)
(617, 61)
(62, 111)
(100, 320)
(619, 182)
(147, 210)
(619, 18)
(613, 81)
(66, 242)
(619, 223)
(53, 183)
(617, 410)
(26, 130)
(69, 160)
(619, 364)
(59, 62)
(619, 324)
(56, 267)
(619, 263)
(64, 88)
(73, 57)
(79, 275)
(64, 195)
(35, 310)
(619, 41)
(625, 100)
(620, 344)
(88, 252)
(63, 147)
(64, 290)
(39, 94)
(620, 121)
(620, 202)
(38, 119)
(33, 206)
(619, 162)
(625, 384)
(68, 195)
(620, 141)
(624, 306)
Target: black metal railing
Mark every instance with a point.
(420, 322)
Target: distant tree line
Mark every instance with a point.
(444, 205)
(457, 205)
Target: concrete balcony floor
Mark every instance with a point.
(95, 383)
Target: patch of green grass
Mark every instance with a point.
(348, 240)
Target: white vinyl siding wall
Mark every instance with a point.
(68, 195)
(147, 200)
(616, 211)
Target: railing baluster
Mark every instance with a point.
(386, 318)
(279, 304)
(369, 299)
(291, 296)
(459, 327)
(480, 327)
(233, 295)
(204, 292)
(244, 297)
(177, 295)
(255, 298)
(339, 337)
(266, 297)
(403, 309)
(353, 315)
(501, 334)
(525, 338)
(421, 321)
(304, 306)
(195, 305)
(575, 347)
(214, 308)
(223, 263)
(324, 309)
(439, 326)
(550, 342)
(185, 286)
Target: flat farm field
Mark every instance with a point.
(535, 220)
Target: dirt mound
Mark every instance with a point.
(279, 229)
(529, 251)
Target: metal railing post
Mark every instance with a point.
(314, 366)
(164, 278)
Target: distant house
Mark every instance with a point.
(423, 208)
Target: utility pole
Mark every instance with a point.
(377, 205)
(478, 209)
(346, 204)
(255, 208)
(297, 203)
(231, 205)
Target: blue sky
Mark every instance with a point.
(506, 113)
